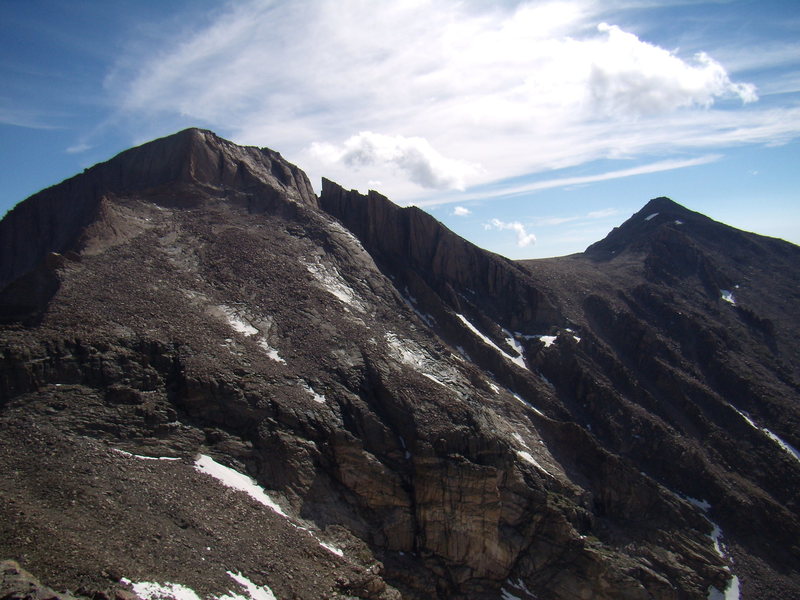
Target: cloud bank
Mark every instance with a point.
(469, 94)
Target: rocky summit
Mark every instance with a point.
(215, 384)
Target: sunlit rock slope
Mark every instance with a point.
(216, 384)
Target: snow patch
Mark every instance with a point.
(336, 226)
(411, 354)
(517, 585)
(240, 323)
(519, 439)
(547, 340)
(727, 295)
(518, 360)
(528, 404)
(309, 390)
(140, 457)
(678, 222)
(272, 353)
(237, 321)
(150, 590)
(785, 446)
(434, 379)
(329, 548)
(649, 217)
(238, 481)
(331, 280)
(526, 456)
(254, 592)
(512, 341)
(731, 592)
(703, 505)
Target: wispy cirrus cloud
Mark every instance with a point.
(509, 190)
(590, 216)
(471, 94)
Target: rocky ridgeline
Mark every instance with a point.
(414, 417)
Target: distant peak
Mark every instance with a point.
(662, 204)
(638, 230)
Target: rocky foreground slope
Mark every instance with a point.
(216, 384)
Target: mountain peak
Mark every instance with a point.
(636, 233)
(182, 163)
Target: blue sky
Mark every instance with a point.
(530, 128)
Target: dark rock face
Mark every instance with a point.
(53, 220)
(426, 419)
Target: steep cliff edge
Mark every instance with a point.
(52, 220)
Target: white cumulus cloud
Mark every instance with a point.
(414, 156)
(461, 211)
(628, 76)
(523, 237)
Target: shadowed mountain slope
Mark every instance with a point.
(213, 379)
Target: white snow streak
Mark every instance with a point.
(526, 456)
(141, 457)
(528, 404)
(271, 352)
(727, 295)
(329, 548)
(237, 321)
(320, 398)
(434, 379)
(411, 302)
(731, 592)
(330, 279)
(238, 481)
(785, 446)
(241, 324)
(654, 215)
(149, 590)
(519, 585)
(512, 341)
(254, 592)
(518, 360)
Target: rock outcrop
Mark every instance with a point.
(336, 397)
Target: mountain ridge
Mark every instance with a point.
(452, 423)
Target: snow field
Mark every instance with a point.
(149, 590)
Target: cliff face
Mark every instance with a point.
(431, 257)
(417, 418)
(52, 220)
